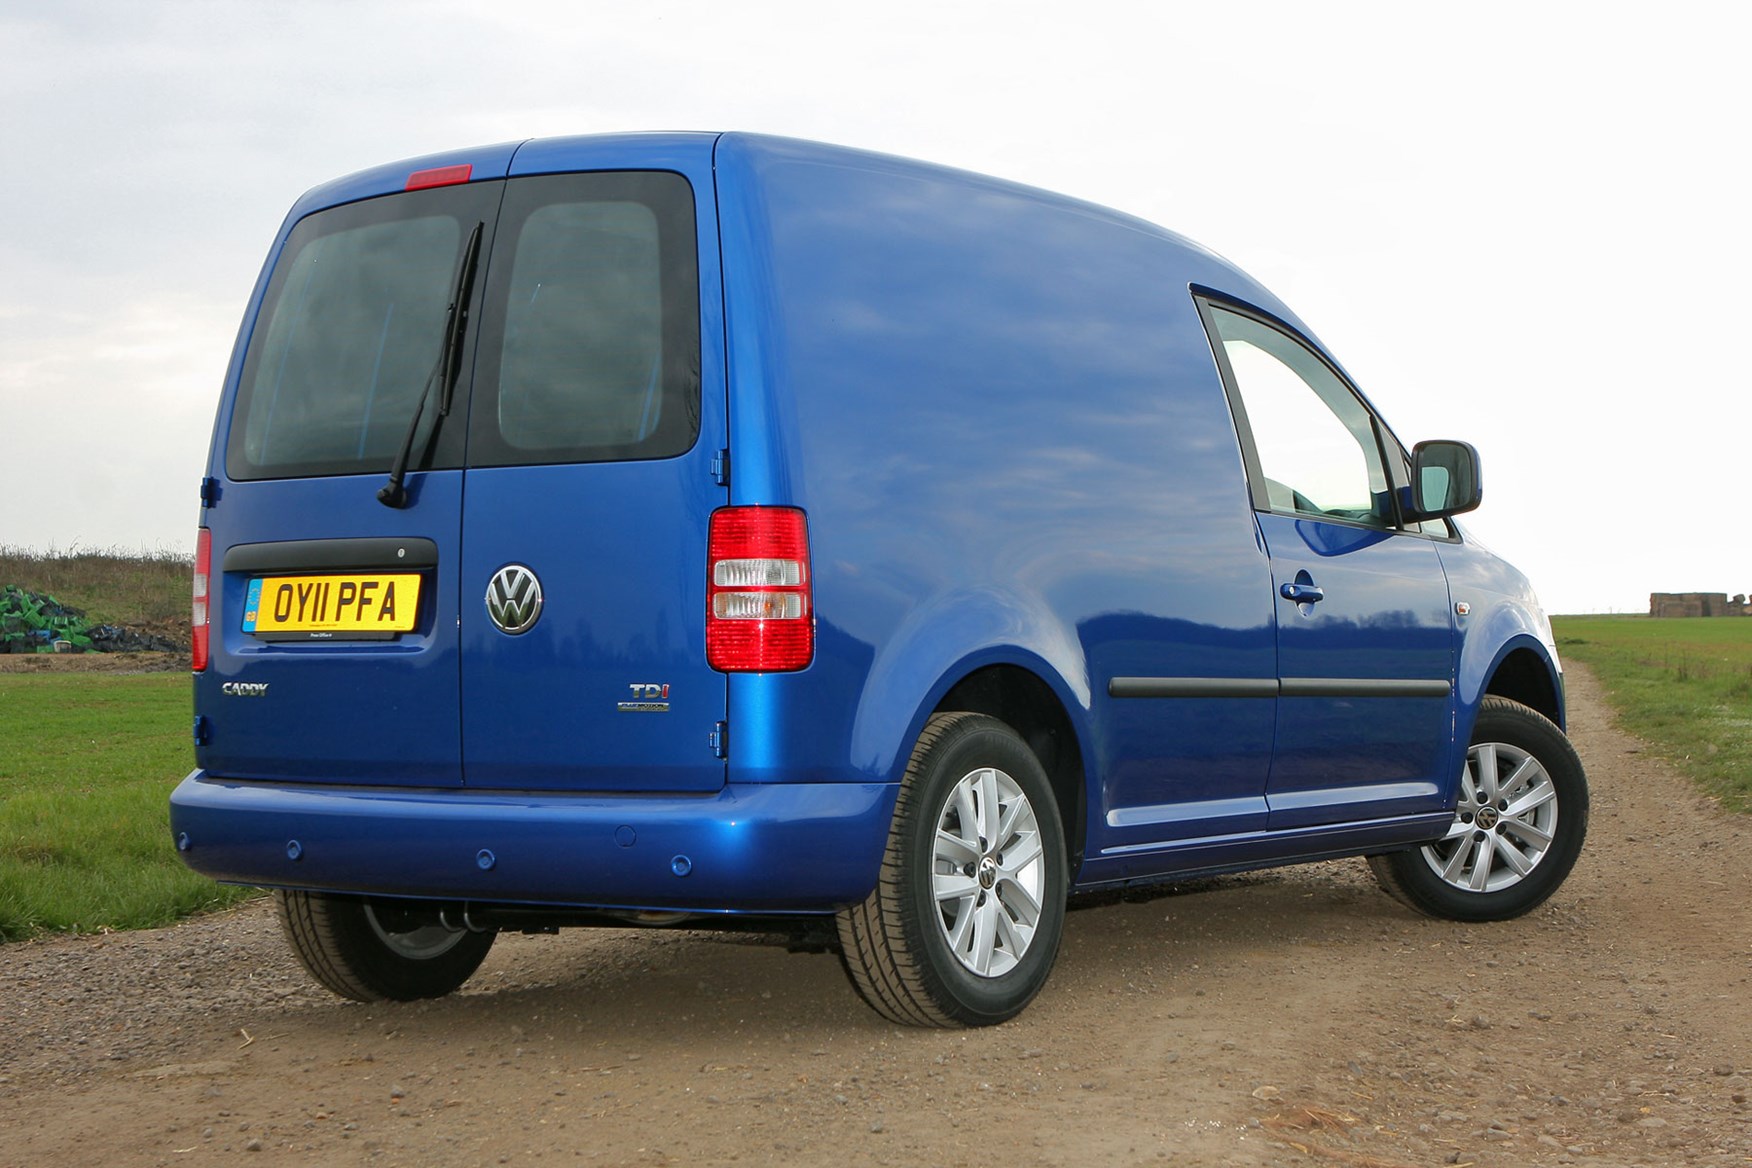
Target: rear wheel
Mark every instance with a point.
(965, 921)
(372, 951)
(1517, 830)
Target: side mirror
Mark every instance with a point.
(1444, 479)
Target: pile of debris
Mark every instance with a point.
(34, 622)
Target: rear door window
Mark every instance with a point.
(349, 333)
(590, 347)
(585, 343)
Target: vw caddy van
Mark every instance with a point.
(725, 530)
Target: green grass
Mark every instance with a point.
(1683, 685)
(147, 589)
(87, 763)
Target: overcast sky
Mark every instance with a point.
(1525, 225)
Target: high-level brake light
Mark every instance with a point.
(760, 612)
(439, 176)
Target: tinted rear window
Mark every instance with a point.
(348, 333)
(584, 344)
(590, 348)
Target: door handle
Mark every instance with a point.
(1302, 592)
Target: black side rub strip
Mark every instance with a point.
(1365, 687)
(1192, 687)
(1271, 687)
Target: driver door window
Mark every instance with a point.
(1314, 440)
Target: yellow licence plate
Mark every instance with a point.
(332, 606)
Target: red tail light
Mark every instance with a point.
(200, 627)
(760, 611)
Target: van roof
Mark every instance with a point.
(755, 152)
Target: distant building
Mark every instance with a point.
(1696, 604)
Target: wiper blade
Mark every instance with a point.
(444, 371)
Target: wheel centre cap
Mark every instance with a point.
(1487, 817)
(988, 872)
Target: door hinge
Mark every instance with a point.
(720, 739)
(721, 468)
(202, 730)
(209, 492)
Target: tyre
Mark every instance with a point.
(1517, 830)
(371, 952)
(969, 905)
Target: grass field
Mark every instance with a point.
(146, 590)
(1684, 685)
(87, 763)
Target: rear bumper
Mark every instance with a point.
(757, 848)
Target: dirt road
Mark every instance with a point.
(1294, 1017)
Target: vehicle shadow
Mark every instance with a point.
(672, 987)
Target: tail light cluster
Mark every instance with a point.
(199, 624)
(760, 611)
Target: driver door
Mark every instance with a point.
(1365, 629)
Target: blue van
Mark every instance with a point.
(731, 531)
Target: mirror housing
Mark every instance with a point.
(1444, 479)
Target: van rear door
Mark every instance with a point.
(596, 423)
(334, 643)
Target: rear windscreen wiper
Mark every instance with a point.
(444, 370)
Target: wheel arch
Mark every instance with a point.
(1506, 646)
(1524, 674)
(1001, 652)
(1502, 656)
(1521, 668)
(1022, 700)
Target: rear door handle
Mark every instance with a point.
(1302, 593)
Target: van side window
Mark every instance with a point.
(1317, 450)
(593, 352)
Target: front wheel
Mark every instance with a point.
(1517, 830)
(373, 951)
(965, 921)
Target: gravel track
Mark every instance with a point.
(1292, 1017)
